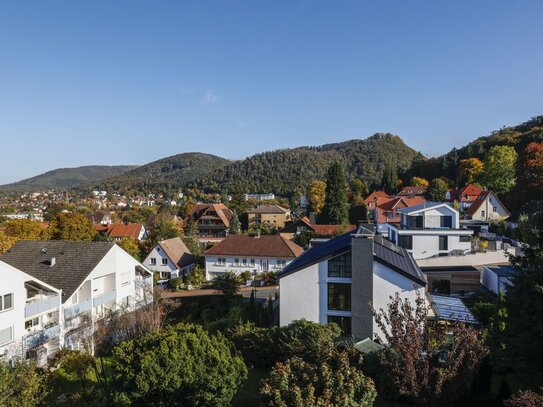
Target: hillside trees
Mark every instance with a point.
(390, 178)
(21, 385)
(437, 190)
(316, 195)
(470, 171)
(418, 181)
(336, 206)
(531, 166)
(500, 168)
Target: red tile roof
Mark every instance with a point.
(269, 209)
(263, 246)
(331, 230)
(393, 204)
(199, 210)
(412, 190)
(480, 200)
(121, 230)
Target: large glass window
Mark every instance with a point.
(340, 266)
(443, 243)
(339, 297)
(446, 222)
(6, 302)
(406, 242)
(343, 322)
(6, 335)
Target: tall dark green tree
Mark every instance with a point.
(237, 202)
(336, 205)
(524, 303)
(437, 190)
(390, 178)
(235, 225)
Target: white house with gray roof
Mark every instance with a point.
(170, 258)
(65, 285)
(429, 230)
(335, 282)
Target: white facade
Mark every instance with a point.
(39, 321)
(490, 210)
(29, 315)
(431, 230)
(220, 265)
(304, 293)
(159, 262)
(495, 283)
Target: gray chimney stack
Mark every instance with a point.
(52, 262)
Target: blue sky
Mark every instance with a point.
(128, 82)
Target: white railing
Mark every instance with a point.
(104, 298)
(78, 308)
(42, 305)
(40, 337)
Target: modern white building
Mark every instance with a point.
(336, 281)
(255, 254)
(429, 230)
(170, 258)
(61, 286)
(498, 279)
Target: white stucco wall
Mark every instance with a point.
(158, 254)
(387, 283)
(490, 280)
(260, 264)
(300, 296)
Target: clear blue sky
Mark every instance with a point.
(128, 82)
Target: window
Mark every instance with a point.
(483, 214)
(343, 322)
(406, 242)
(340, 266)
(153, 261)
(443, 243)
(244, 261)
(446, 222)
(252, 262)
(494, 209)
(391, 215)
(6, 302)
(164, 262)
(32, 323)
(281, 263)
(465, 239)
(339, 297)
(221, 261)
(6, 335)
(236, 262)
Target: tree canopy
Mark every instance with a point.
(336, 205)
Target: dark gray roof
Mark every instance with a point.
(384, 252)
(74, 261)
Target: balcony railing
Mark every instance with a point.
(78, 309)
(42, 305)
(105, 298)
(41, 337)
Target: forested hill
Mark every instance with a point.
(164, 175)
(65, 178)
(291, 170)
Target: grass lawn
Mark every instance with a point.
(248, 395)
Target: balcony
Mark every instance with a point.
(77, 309)
(41, 337)
(41, 304)
(105, 298)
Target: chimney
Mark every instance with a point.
(362, 283)
(53, 261)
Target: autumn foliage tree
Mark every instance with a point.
(500, 169)
(72, 226)
(470, 171)
(532, 166)
(316, 194)
(425, 365)
(420, 182)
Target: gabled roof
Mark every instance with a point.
(424, 206)
(125, 230)
(331, 230)
(376, 196)
(269, 208)
(483, 196)
(263, 246)
(177, 252)
(385, 252)
(74, 261)
(407, 201)
(199, 210)
(471, 190)
(466, 194)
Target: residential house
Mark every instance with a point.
(452, 280)
(412, 190)
(376, 198)
(464, 196)
(91, 278)
(431, 229)
(336, 281)
(260, 197)
(212, 220)
(29, 316)
(487, 207)
(101, 218)
(292, 229)
(387, 212)
(121, 231)
(170, 258)
(256, 254)
(498, 279)
(269, 215)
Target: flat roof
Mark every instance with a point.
(503, 271)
